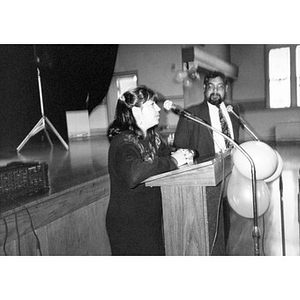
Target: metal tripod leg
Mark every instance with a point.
(56, 133)
(48, 137)
(36, 129)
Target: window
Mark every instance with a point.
(279, 78)
(298, 74)
(284, 76)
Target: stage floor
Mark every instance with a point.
(85, 160)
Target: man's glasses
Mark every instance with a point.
(219, 87)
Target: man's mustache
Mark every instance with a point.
(215, 95)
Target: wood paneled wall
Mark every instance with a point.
(68, 223)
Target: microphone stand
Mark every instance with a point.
(255, 232)
(282, 215)
(230, 109)
(280, 179)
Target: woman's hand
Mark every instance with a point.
(183, 156)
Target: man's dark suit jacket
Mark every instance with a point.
(192, 135)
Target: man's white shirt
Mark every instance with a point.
(219, 140)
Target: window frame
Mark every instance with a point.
(293, 85)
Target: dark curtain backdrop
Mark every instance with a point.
(74, 77)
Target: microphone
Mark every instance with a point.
(244, 125)
(230, 109)
(169, 105)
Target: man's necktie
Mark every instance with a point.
(224, 126)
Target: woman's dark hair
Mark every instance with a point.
(124, 119)
(214, 74)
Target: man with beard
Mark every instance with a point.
(207, 143)
(194, 136)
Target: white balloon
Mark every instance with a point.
(263, 156)
(180, 76)
(240, 195)
(187, 82)
(278, 170)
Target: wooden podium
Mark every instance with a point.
(191, 202)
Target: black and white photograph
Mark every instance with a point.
(165, 147)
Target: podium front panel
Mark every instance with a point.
(191, 216)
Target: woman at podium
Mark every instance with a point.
(137, 151)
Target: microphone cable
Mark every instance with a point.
(263, 236)
(221, 198)
(5, 236)
(18, 233)
(6, 231)
(6, 228)
(38, 244)
(217, 227)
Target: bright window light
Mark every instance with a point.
(298, 74)
(279, 78)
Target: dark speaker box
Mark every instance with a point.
(18, 179)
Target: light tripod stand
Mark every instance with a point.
(44, 121)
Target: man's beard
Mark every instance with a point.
(215, 99)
